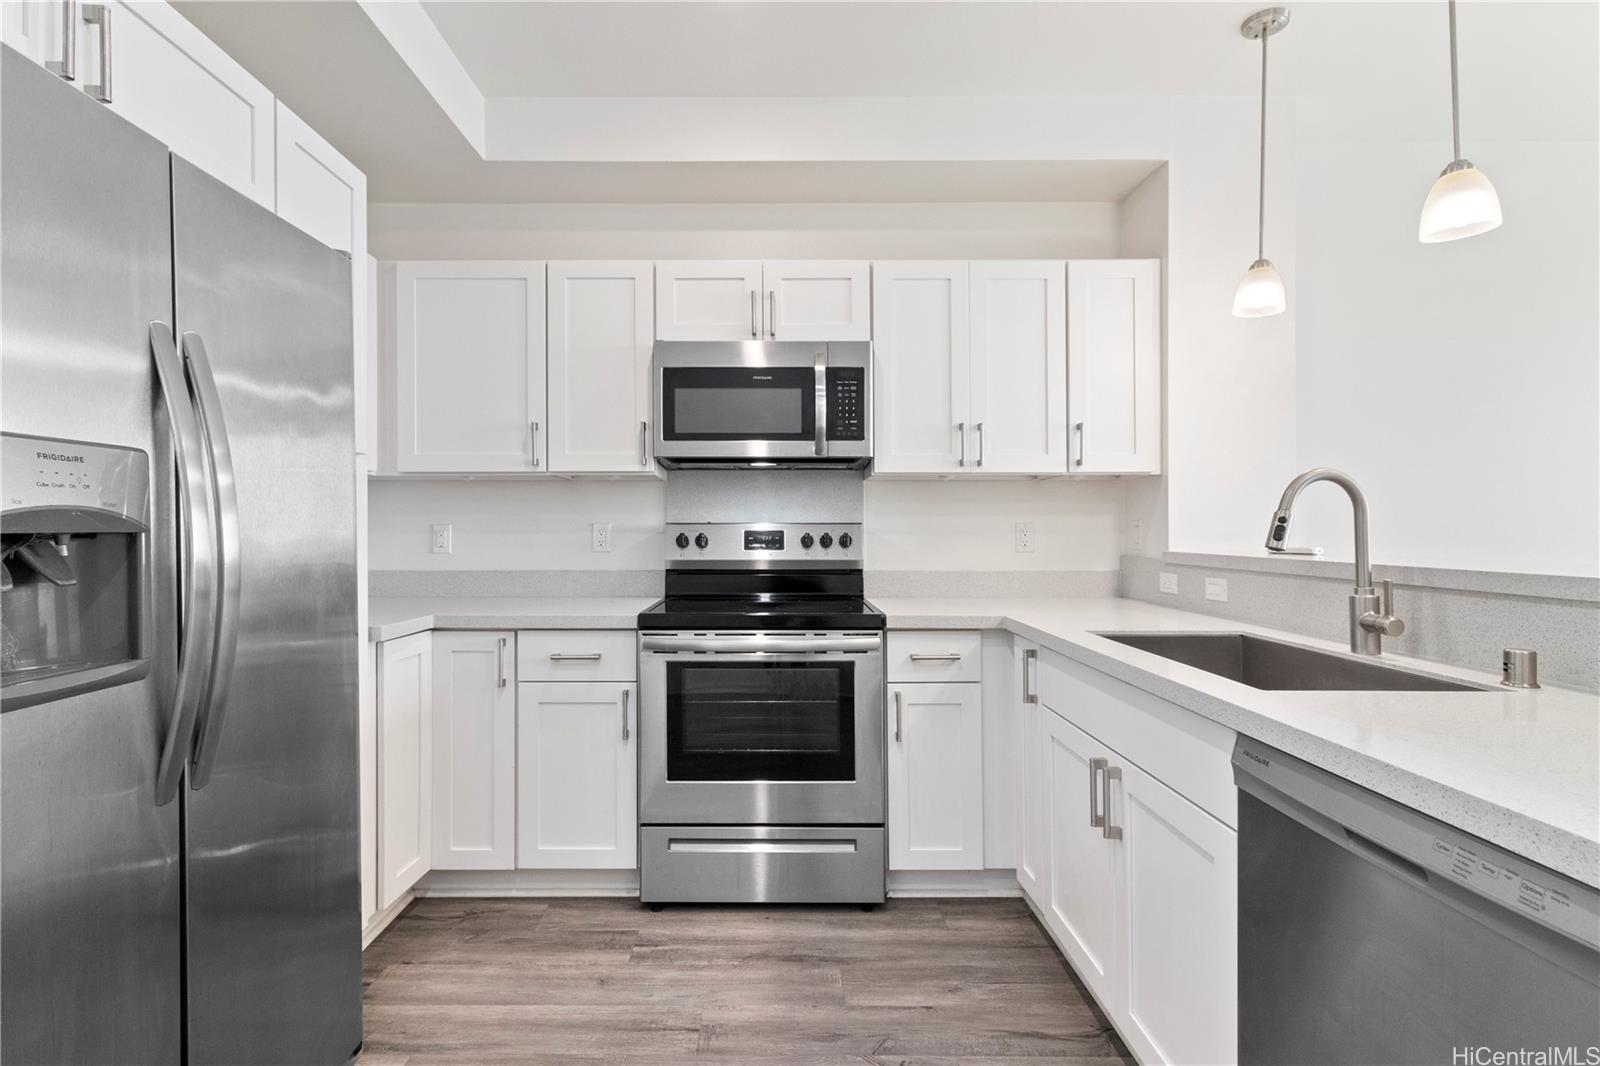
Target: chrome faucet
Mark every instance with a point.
(1371, 615)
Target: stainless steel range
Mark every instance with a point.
(761, 727)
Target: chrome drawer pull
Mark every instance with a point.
(941, 657)
(1097, 819)
(570, 657)
(1110, 832)
(898, 701)
(1030, 658)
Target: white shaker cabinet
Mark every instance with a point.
(474, 750)
(1081, 907)
(935, 776)
(1018, 409)
(599, 337)
(1033, 829)
(470, 366)
(1114, 365)
(405, 764)
(921, 367)
(35, 28)
(817, 300)
(708, 300)
(577, 773)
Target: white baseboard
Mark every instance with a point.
(530, 883)
(932, 884)
(381, 920)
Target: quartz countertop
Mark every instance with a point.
(390, 618)
(1521, 769)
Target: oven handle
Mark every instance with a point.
(761, 643)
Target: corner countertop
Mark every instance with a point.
(391, 618)
(1521, 769)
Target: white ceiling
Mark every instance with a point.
(1528, 72)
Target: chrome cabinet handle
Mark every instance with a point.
(66, 68)
(574, 657)
(1110, 831)
(941, 657)
(197, 532)
(644, 443)
(961, 434)
(754, 332)
(980, 443)
(500, 663)
(214, 434)
(1030, 658)
(772, 313)
(625, 694)
(760, 644)
(101, 14)
(822, 403)
(1078, 428)
(1097, 818)
(533, 442)
(898, 724)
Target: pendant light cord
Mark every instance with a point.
(1261, 196)
(1455, 89)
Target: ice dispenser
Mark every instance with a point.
(73, 601)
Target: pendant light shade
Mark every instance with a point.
(1260, 292)
(1462, 203)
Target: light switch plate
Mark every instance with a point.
(600, 537)
(1217, 589)
(442, 536)
(1169, 583)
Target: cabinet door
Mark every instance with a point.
(599, 359)
(35, 28)
(474, 751)
(817, 300)
(469, 339)
(1114, 365)
(1082, 878)
(708, 300)
(935, 743)
(1019, 366)
(175, 83)
(1033, 829)
(577, 776)
(1178, 960)
(405, 764)
(921, 368)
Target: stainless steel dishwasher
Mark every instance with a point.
(1371, 933)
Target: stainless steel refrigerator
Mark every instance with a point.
(178, 724)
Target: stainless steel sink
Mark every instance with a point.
(1274, 664)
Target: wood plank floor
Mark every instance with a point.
(930, 982)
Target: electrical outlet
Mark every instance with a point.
(1138, 536)
(600, 537)
(442, 539)
(1217, 589)
(1024, 536)
(1169, 583)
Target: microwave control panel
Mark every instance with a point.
(847, 397)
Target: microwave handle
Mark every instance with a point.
(822, 403)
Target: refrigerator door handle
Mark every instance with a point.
(198, 547)
(215, 435)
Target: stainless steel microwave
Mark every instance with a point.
(763, 403)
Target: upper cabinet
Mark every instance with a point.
(1114, 365)
(800, 300)
(470, 366)
(998, 367)
(599, 367)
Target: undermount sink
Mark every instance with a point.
(1274, 664)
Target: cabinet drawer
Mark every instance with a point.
(577, 655)
(934, 655)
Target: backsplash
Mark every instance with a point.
(1467, 625)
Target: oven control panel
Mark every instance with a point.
(764, 544)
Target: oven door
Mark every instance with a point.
(761, 729)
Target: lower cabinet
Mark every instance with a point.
(474, 751)
(405, 764)
(935, 766)
(1033, 829)
(1081, 907)
(577, 775)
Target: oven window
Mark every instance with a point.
(737, 404)
(761, 721)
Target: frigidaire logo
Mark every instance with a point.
(1253, 757)
(58, 457)
(760, 377)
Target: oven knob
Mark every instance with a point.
(683, 540)
(844, 540)
(700, 541)
(805, 540)
(827, 540)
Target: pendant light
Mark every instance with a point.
(1462, 203)
(1260, 292)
